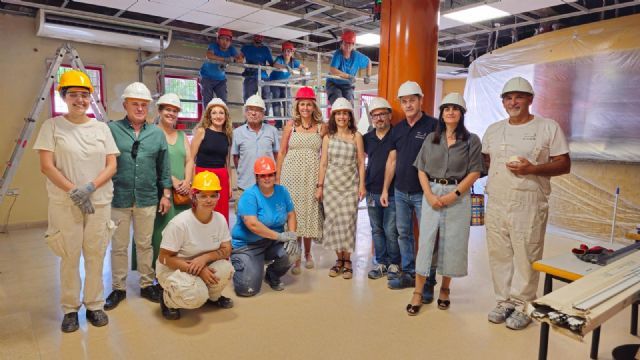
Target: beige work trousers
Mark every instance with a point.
(143, 219)
(516, 222)
(186, 291)
(71, 234)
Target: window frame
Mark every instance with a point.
(199, 109)
(103, 96)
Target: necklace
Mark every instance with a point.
(306, 127)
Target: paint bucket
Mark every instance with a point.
(477, 209)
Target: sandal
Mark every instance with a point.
(337, 268)
(413, 310)
(444, 304)
(347, 272)
(308, 261)
(296, 270)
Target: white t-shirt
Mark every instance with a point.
(537, 141)
(188, 237)
(79, 152)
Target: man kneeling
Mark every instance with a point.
(192, 267)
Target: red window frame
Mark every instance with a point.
(198, 95)
(102, 98)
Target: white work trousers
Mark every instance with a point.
(516, 222)
(186, 291)
(143, 219)
(71, 234)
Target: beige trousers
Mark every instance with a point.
(71, 234)
(143, 219)
(186, 291)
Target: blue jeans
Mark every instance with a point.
(335, 91)
(249, 260)
(279, 92)
(383, 230)
(212, 88)
(250, 88)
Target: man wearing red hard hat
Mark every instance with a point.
(345, 64)
(213, 79)
(256, 54)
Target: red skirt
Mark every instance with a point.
(223, 201)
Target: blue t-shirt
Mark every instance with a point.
(213, 71)
(284, 73)
(271, 211)
(256, 55)
(355, 62)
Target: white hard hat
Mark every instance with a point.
(217, 102)
(169, 99)
(409, 88)
(255, 100)
(378, 103)
(455, 99)
(517, 84)
(137, 90)
(341, 104)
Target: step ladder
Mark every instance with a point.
(30, 121)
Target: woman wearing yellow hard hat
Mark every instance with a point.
(259, 236)
(78, 157)
(192, 267)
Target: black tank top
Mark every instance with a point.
(213, 150)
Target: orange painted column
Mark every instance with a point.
(408, 50)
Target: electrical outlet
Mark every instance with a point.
(13, 192)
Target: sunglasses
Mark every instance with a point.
(265, 176)
(134, 149)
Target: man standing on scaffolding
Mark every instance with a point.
(345, 64)
(285, 63)
(256, 54)
(213, 79)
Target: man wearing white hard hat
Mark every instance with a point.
(377, 145)
(143, 167)
(251, 141)
(522, 153)
(406, 140)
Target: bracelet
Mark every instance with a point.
(319, 185)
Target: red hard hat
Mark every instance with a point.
(225, 32)
(305, 93)
(264, 165)
(349, 37)
(258, 37)
(287, 45)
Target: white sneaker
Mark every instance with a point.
(393, 272)
(377, 272)
(518, 320)
(501, 312)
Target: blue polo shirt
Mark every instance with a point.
(377, 151)
(284, 73)
(256, 55)
(249, 146)
(213, 71)
(407, 141)
(271, 211)
(355, 62)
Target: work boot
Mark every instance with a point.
(404, 281)
(518, 320)
(393, 272)
(97, 318)
(500, 313)
(275, 285)
(223, 302)
(151, 293)
(167, 312)
(70, 322)
(114, 299)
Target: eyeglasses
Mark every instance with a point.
(379, 116)
(265, 176)
(134, 149)
(203, 196)
(79, 94)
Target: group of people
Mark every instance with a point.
(301, 188)
(345, 65)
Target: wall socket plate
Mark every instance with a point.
(13, 192)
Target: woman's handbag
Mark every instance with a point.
(179, 199)
(477, 209)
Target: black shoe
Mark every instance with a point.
(222, 302)
(151, 293)
(70, 322)
(167, 312)
(114, 299)
(97, 318)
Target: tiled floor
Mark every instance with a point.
(316, 317)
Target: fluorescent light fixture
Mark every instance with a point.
(476, 14)
(368, 39)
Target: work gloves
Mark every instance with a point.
(287, 236)
(81, 196)
(291, 245)
(229, 60)
(352, 79)
(367, 79)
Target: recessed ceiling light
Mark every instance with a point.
(368, 39)
(476, 14)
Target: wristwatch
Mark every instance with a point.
(458, 192)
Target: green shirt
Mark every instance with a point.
(136, 181)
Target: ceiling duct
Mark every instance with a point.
(99, 31)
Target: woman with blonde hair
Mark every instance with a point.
(298, 166)
(210, 148)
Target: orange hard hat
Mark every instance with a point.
(305, 93)
(349, 37)
(287, 45)
(225, 32)
(264, 165)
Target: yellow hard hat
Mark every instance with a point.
(206, 181)
(75, 78)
